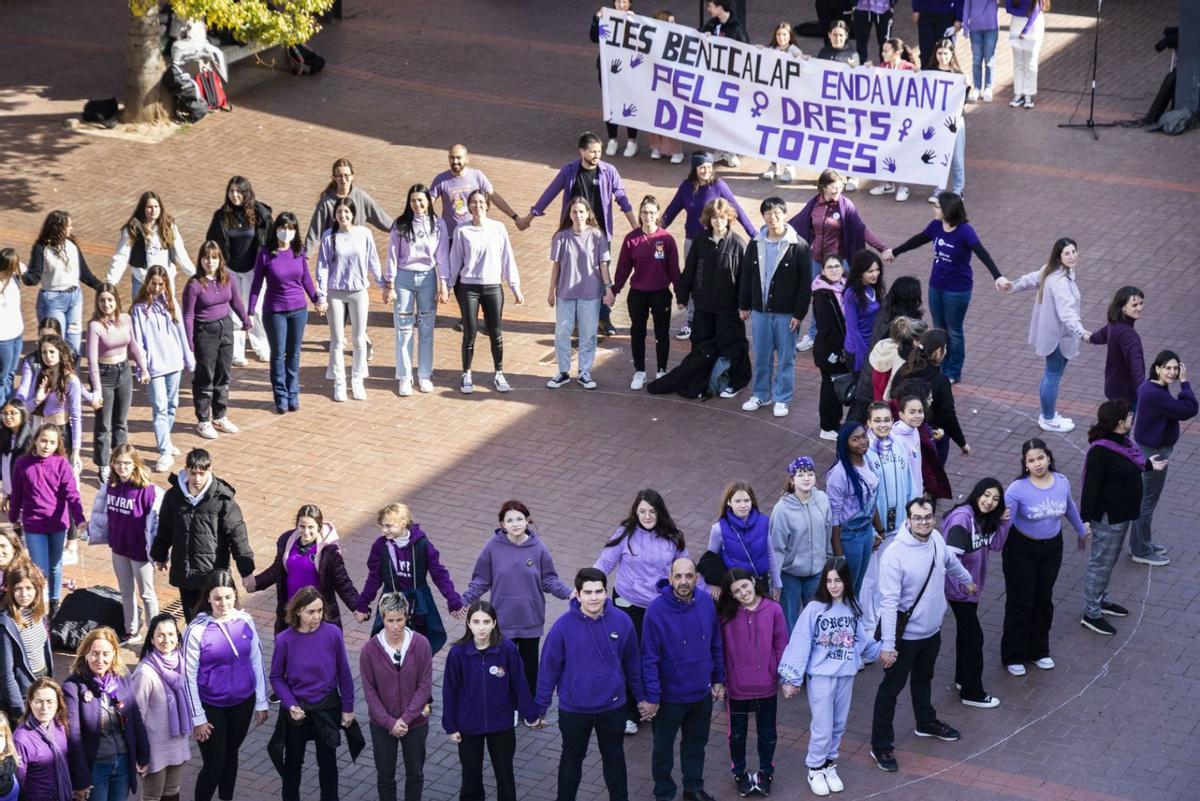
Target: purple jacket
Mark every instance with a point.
(611, 187)
(754, 643)
(40, 765)
(589, 662)
(518, 577)
(83, 730)
(45, 498)
(971, 546)
(306, 667)
(853, 230)
(691, 201)
(382, 571)
(222, 664)
(482, 689)
(397, 693)
(1156, 424)
(333, 581)
(1125, 365)
(682, 653)
(859, 323)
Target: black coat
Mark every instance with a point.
(711, 273)
(1112, 485)
(791, 284)
(219, 233)
(200, 539)
(831, 330)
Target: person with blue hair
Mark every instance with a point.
(851, 485)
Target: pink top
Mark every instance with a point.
(107, 342)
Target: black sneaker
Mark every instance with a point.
(939, 730)
(608, 329)
(885, 759)
(1098, 625)
(762, 783)
(745, 785)
(560, 380)
(273, 698)
(1116, 610)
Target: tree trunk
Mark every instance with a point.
(145, 100)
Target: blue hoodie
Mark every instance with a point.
(589, 661)
(681, 641)
(481, 689)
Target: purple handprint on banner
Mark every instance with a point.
(928, 133)
(636, 61)
(628, 110)
(889, 164)
(604, 32)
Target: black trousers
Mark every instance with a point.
(968, 650)
(829, 406)
(295, 738)
(915, 660)
(528, 648)
(112, 420)
(219, 753)
(930, 28)
(214, 359)
(691, 721)
(501, 747)
(576, 729)
(637, 615)
(491, 298)
(385, 748)
(863, 20)
(765, 712)
(1030, 570)
(829, 11)
(643, 305)
(189, 598)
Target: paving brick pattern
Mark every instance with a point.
(516, 83)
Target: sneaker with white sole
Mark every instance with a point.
(562, 379)
(339, 393)
(833, 779)
(239, 361)
(1115, 610)
(684, 332)
(611, 148)
(586, 381)
(206, 430)
(1015, 670)
(902, 194)
(104, 473)
(357, 390)
(780, 410)
(660, 373)
(942, 731)
(933, 197)
(1152, 559)
(639, 380)
(987, 95)
(754, 404)
(1017, 101)
(805, 343)
(631, 727)
(988, 702)
(631, 149)
(500, 382)
(655, 153)
(466, 386)
(1045, 663)
(769, 175)
(404, 389)
(851, 184)
(973, 95)
(225, 426)
(732, 160)
(1098, 625)
(882, 189)
(677, 158)
(165, 460)
(728, 392)
(171, 449)
(829, 435)
(425, 385)
(744, 783)
(1058, 423)
(1028, 102)
(817, 781)
(786, 176)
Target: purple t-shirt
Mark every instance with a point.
(951, 256)
(454, 191)
(301, 568)
(579, 257)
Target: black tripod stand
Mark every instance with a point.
(1091, 124)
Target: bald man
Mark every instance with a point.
(456, 184)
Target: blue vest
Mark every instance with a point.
(746, 543)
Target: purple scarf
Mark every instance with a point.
(1124, 448)
(62, 773)
(169, 669)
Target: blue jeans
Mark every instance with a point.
(416, 299)
(949, 309)
(567, 315)
(983, 55)
(797, 592)
(1056, 365)
(110, 779)
(858, 540)
(164, 400)
(46, 551)
(773, 336)
(66, 306)
(10, 359)
(285, 333)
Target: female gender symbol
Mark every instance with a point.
(761, 101)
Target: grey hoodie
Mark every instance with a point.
(801, 532)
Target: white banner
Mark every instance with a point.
(894, 125)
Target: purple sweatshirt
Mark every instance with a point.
(611, 188)
(306, 667)
(644, 558)
(396, 562)
(691, 201)
(72, 404)
(222, 664)
(45, 497)
(287, 281)
(980, 15)
(425, 248)
(859, 322)
(208, 301)
(682, 652)
(42, 768)
(971, 546)
(842, 501)
(132, 512)
(1125, 365)
(397, 693)
(1037, 513)
(482, 689)
(518, 577)
(650, 262)
(754, 643)
(1156, 424)
(589, 661)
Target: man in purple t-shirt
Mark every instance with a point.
(456, 184)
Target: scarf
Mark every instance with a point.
(169, 669)
(1122, 447)
(62, 774)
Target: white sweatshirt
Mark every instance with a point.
(902, 570)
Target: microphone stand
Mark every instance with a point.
(1091, 125)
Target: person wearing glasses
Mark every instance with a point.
(912, 575)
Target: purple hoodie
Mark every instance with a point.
(980, 15)
(482, 689)
(45, 497)
(754, 643)
(589, 662)
(399, 570)
(971, 546)
(222, 664)
(518, 577)
(691, 201)
(132, 519)
(682, 652)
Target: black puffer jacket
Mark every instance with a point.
(711, 274)
(200, 538)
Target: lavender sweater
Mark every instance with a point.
(971, 546)
(643, 558)
(519, 577)
(306, 667)
(55, 404)
(1037, 513)
(842, 500)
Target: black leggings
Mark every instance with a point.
(219, 753)
(863, 20)
(528, 648)
(613, 129)
(641, 306)
(470, 298)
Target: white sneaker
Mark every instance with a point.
(833, 779)
(1057, 423)
(973, 95)
(786, 176)
(339, 393)
(165, 460)
(933, 196)
(631, 149)
(173, 450)
(882, 189)
(206, 430)
(851, 184)
(611, 148)
(1028, 101)
(817, 781)
(754, 404)
(1016, 101)
(805, 343)
(1045, 663)
(988, 702)
(829, 435)
(902, 194)
(225, 426)
(500, 382)
(660, 373)
(425, 385)
(357, 390)
(732, 160)
(1153, 560)
(769, 175)
(1016, 670)
(655, 153)
(105, 472)
(405, 387)
(239, 361)
(639, 380)
(684, 332)
(467, 386)
(631, 727)
(728, 392)
(677, 158)
(987, 95)
(780, 410)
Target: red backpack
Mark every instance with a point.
(212, 89)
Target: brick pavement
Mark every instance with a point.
(1116, 719)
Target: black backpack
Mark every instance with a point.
(304, 61)
(189, 105)
(82, 611)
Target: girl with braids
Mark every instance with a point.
(241, 228)
(149, 239)
(851, 486)
(58, 265)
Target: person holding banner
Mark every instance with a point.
(783, 39)
(721, 22)
(839, 50)
(945, 61)
(895, 55)
(664, 145)
(868, 13)
(614, 130)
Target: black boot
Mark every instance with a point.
(53, 610)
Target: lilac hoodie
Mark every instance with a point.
(611, 188)
(427, 249)
(162, 339)
(518, 577)
(971, 546)
(644, 558)
(980, 15)
(45, 497)
(754, 643)
(72, 404)
(222, 664)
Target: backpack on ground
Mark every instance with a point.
(189, 105)
(82, 611)
(303, 60)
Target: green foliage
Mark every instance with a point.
(281, 22)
